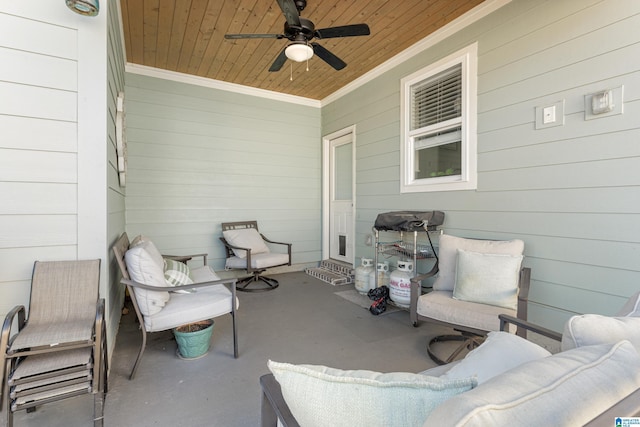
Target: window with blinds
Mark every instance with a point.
(438, 149)
(438, 99)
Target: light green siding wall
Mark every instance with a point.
(200, 156)
(572, 192)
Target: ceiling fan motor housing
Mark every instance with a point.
(306, 29)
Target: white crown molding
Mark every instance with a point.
(432, 39)
(217, 84)
(451, 28)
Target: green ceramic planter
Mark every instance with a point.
(194, 339)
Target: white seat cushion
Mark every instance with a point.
(205, 303)
(448, 255)
(258, 261)
(566, 389)
(440, 305)
(203, 274)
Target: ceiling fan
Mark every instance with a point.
(300, 32)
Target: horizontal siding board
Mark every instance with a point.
(52, 104)
(604, 173)
(28, 133)
(37, 198)
(27, 68)
(574, 150)
(36, 36)
(38, 166)
(21, 231)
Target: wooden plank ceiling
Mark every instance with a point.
(187, 36)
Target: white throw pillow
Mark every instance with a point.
(567, 389)
(500, 352)
(145, 265)
(448, 255)
(591, 329)
(322, 396)
(488, 278)
(245, 238)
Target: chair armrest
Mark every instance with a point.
(273, 241)
(416, 291)
(5, 338)
(185, 258)
(274, 407)
(231, 282)
(505, 319)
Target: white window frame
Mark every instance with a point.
(468, 178)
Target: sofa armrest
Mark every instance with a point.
(627, 407)
(274, 408)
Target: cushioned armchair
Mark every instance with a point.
(475, 281)
(166, 293)
(248, 249)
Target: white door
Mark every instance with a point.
(341, 198)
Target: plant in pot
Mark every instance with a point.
(194, 339)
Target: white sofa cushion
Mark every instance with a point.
(447, 255)
(263, 260)
(205, 303)
(590, 329)
(500, 352)
(145, 265)
(322, 396)
(440, 305)
(245, 238)
(487, 278)
(566, 389)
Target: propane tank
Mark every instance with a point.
(383, 275)
(400, 284)
(362, 275)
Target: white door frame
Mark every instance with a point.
(326, 191)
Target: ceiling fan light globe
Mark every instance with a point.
(298, 52)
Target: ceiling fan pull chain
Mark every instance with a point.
(291, 72)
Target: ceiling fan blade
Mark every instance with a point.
(253, 36)
(290, 12)
(328, 57)
(279, 62)
(343, 31)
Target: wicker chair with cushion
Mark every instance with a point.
(59, 351)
